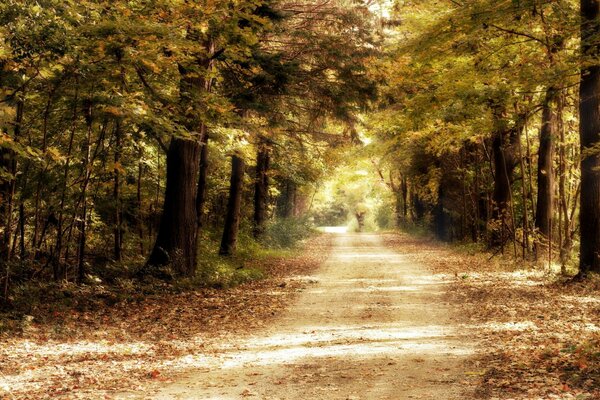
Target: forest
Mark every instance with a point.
(177, 176)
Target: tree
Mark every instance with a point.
(261, 187)
(232, 218)
(187, 157)
(545, 172)
(589, 132)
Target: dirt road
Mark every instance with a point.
(371, 325)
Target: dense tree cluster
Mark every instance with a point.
(133, 131)
(488, 109)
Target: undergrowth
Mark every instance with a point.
(111, 283)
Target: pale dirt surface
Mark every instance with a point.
(371, 325)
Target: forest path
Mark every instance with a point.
(372, 325)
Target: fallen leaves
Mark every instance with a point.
(538, 338)
(137, 345)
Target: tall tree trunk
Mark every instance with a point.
(404, 190)
(504, 146)
(589, 132)
(207, 85)
(545, 173)
(87, 171)
(8, 165)
(118, 228)
(232, 220)
(440, 217)
(566, 242)
(176, 240)
(398, 209)
(65, 184)
(286, 204)
(139, 205)
(477, 220)
(261, 188)
(178, 233)
(525, 196)
(202, 176)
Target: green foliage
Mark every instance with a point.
(287, 233)
(385, 217)
(218, 272)
(332, 213)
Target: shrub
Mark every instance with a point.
(287, 232)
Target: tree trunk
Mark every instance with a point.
(8, 164)
(286, 204)
(206, 84)
(261, 189)
(57, 264)
(440, 217)
(589, 132)
(404, 190)
(178, 233)
(525, 196)
(545, 173)
(202, 176)
(118, 229)
(139, 204)
(477, 220)
(565, 240)
(504, 147)
(232, 220)
(176, 240)
(87, 170)
(398, 210)
(418, 207)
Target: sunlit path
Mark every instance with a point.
(371, 326)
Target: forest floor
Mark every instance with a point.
(143, 342)
(387, 316)
(374, 325)
(537, 334)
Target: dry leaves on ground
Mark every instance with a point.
(538, 338)
(136, 345)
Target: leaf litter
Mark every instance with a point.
(139, 344)
(538, 337)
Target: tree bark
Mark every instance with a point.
(118, 228)
(207, 85)
(440, 217)
(398, 209)
(8, 164)
(418, 207)
(261, 189)
(404, 190)
(202, 176)
(176, 240)
(545, 173)
(525, 196)
(232, 220)
(178, 233)
(286, 204)
(589, 132)
(87, 171)
(65, 184)
(505, 142)
(139, 203)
